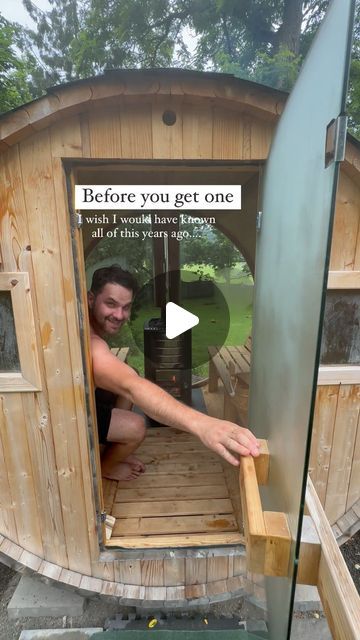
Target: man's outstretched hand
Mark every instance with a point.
(228, 440)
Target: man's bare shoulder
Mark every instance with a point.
(98, 343)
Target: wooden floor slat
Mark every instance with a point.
(181, 500)
(173, 525)
(173, 480)
(173, 541)
(177, 457)
(169, 468)
(173, 508)
(172, 493)
(109, 490)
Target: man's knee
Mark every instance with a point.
(129, 427)
(138, 427)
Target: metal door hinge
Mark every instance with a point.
(258, 220)
(101, 517)
(78, 219)
(335, 140)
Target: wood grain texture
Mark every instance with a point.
(105, 133)
(66, 140)
(20, 474)
(173, 524)
(338, 594)
(342, 452)
(322, 437)
(174, 540)
(228, 131)
(345, 252)
(136, 131)
(36, 408)
(343, 280)
(37, 168)
(167, 141)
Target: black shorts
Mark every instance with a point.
(105, 402)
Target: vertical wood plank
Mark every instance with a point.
(35, 407)
(36, 163)
(217, 568)
(128, 571)
(195, 571)
(136, 131)
(261, 136)
(197, 131)
(354, 483)
(21, 481)
(152, 573)
(14, 238)
(66, 141)
(85, 135)
(7, 517)
(345, 249)
(103, 570)
(322, 437)
(228, 131)
(342, 451)
(174, 572)
(247, 138)
(105, 133)
(167, 140)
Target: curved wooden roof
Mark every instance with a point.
(82, 95)
(101, 91)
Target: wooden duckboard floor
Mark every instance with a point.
(181, 500)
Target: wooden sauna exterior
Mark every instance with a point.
(48, 498)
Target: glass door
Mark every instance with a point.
(290, 280)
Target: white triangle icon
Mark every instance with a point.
(178, 320)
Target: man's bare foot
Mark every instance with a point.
(135, 463)
(121, 471)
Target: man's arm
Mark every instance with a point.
(223, 437)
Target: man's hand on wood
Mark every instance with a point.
(228, 440)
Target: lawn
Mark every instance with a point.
(212, 324)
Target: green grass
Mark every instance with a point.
(209, 310)
(191, 273)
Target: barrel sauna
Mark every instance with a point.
(180, 540)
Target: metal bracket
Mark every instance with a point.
(259, 220)
(101, 517)
(78, 219)
(335, 140)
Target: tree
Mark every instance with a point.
(209, 246)
(262, 40)
(77, 38)
(14, 88)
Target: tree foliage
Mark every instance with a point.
(262, 40)
(14, 87)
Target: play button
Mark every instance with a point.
(200, 306)
(178, 320)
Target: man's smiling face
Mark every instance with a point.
(110, 308)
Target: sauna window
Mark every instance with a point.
(341, 329)
(19, 367)
(9, 354)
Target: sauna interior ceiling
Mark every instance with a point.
(180, 174)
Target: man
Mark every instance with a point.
(118, 387)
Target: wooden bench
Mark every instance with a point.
(232, 366)
(120, 352)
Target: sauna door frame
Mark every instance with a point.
(71, 168)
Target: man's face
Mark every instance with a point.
(111, 308)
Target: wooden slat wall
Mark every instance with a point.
(52, 472)
(335, 451)
(52, 294)
(201, 131)
(345, 247)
